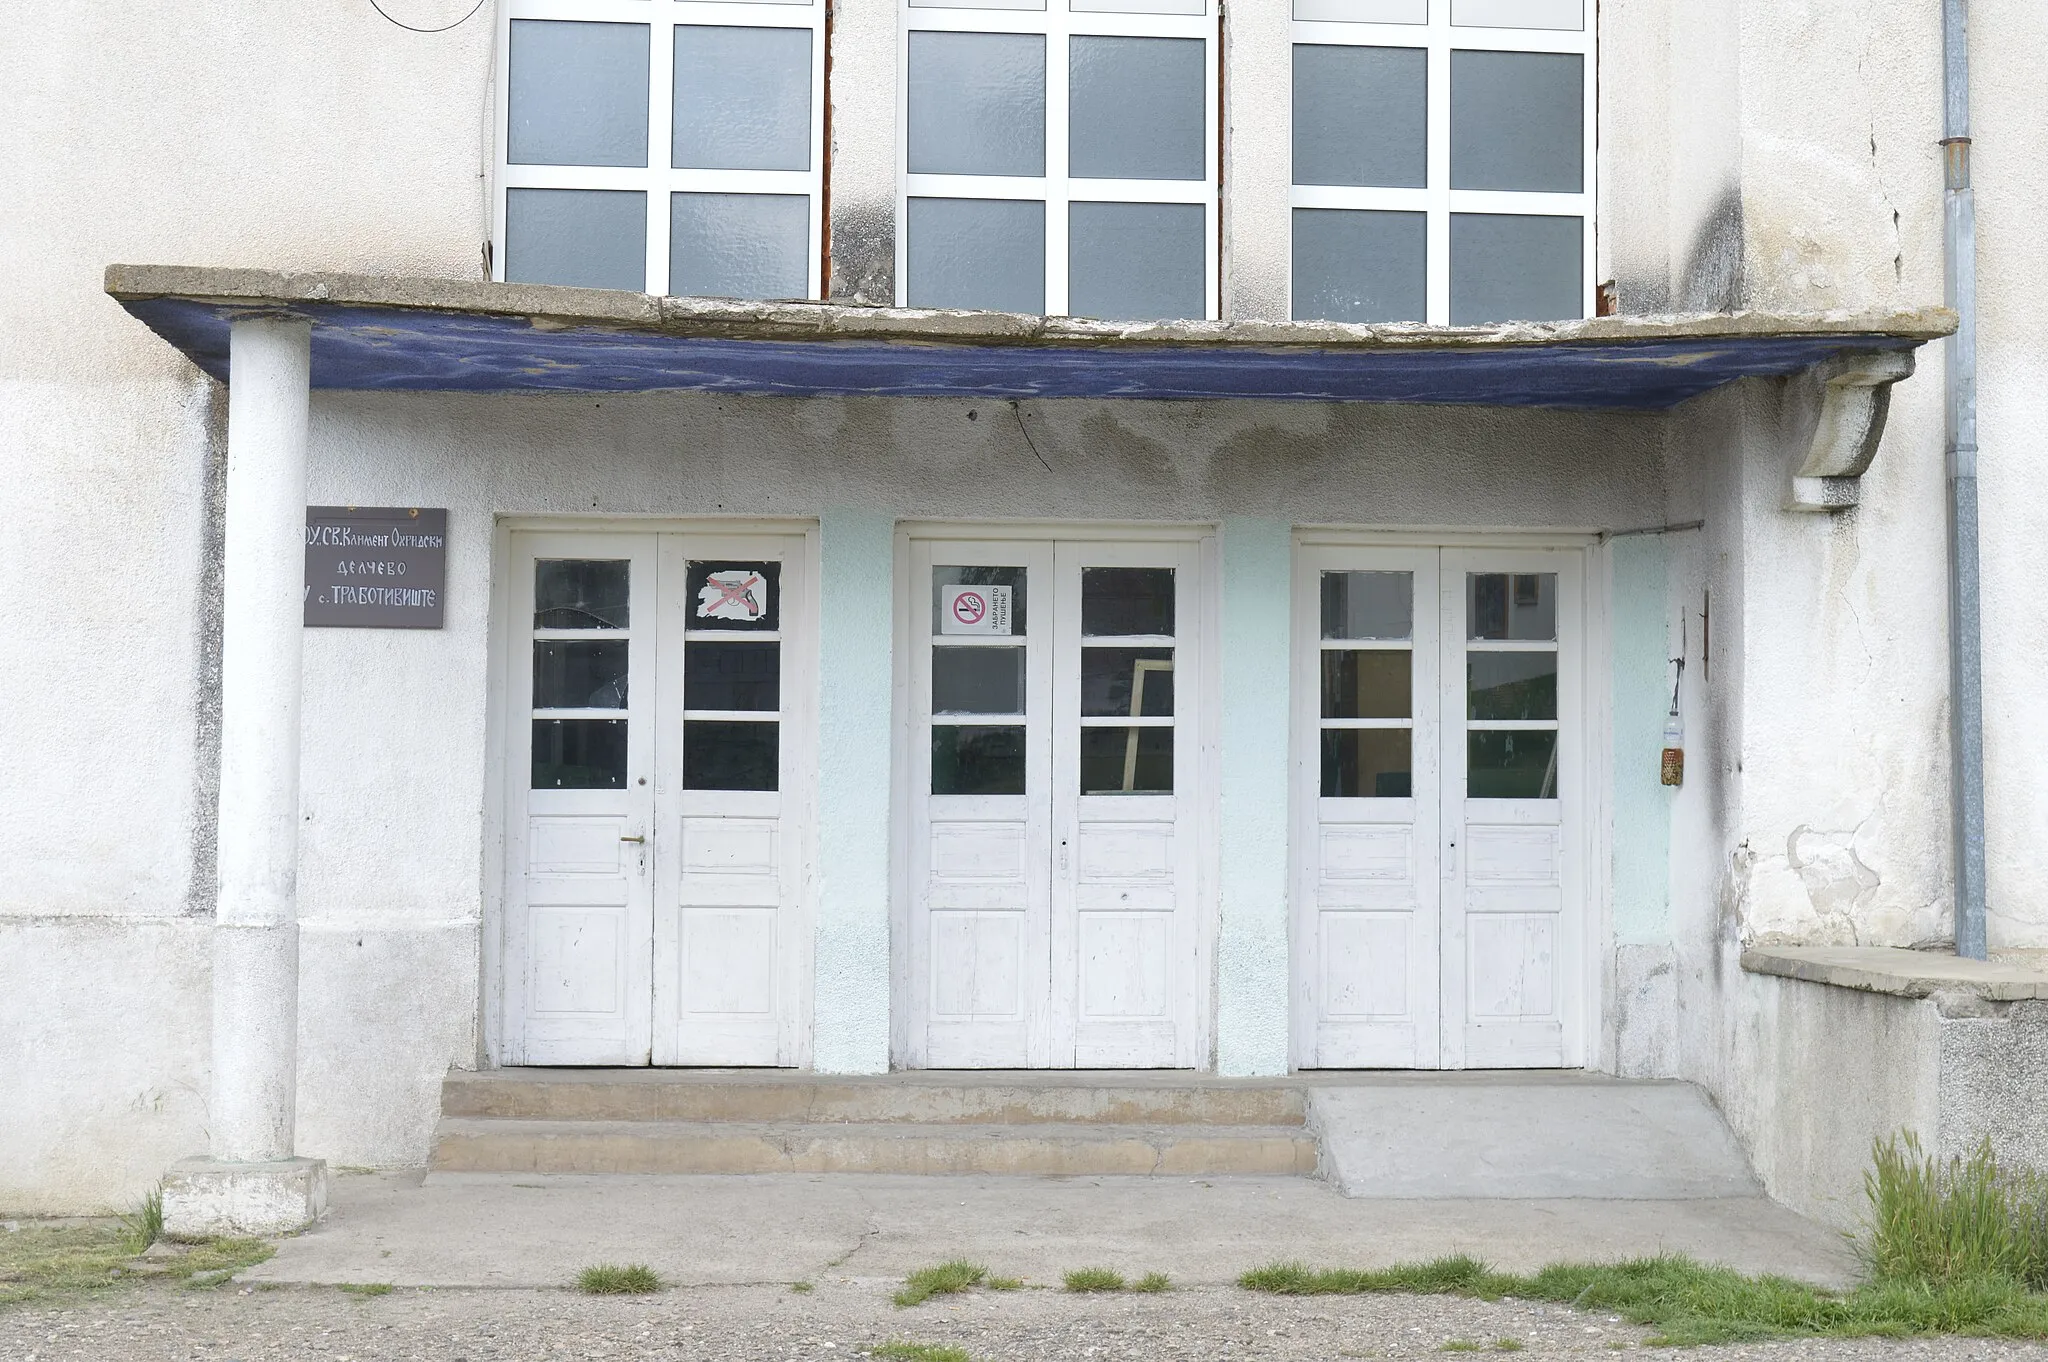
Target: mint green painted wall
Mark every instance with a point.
(851, 994)
(1641, 871)
(1251, 957)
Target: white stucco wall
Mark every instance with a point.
(2010, 125)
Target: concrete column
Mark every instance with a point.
(850, 1001)
(1252, 975)
(250, 1183)
(1258, 111)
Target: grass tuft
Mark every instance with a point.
(39, 1262)
(946, 1279)
(1462, 1345)
(1004, 1283)
(898, 1351)
(367, 1289)
(610, 1279)
(1690, 1303)
(1086, 1279)
(1152, 1282)
(802, 1288)
(144, 1225)
(1507, 1345)
(1934, 1222)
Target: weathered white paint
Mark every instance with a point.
(256, 931)
(1053, 928)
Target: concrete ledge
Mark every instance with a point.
(204, 1198)
(1901, 973)
(553, 305)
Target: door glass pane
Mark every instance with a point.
(742, 98)
(1375, 605)
(732, 676)
(581, 593)
(977, 104)
(1361, 115)
(1511, 685)
(1127, 682)
(969, 759)
(744, 597)
(1511, 765)
(976, 253)
(1511, 267)
(1137, 110)
(722, 755)
(739, 245)
(578, 94)
(1354, 265)
(579, 674)
(583, 238)
(1517, 605)
(1361, 684)
(579, 754)
(1518, 121)
(1125, 600)
(995, 604)
(1136, 262)
(977, 680)
(1126, 761)
(1367, 763)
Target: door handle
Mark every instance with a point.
(635, 838)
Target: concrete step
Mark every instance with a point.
(929, 1097)
(500, 1145)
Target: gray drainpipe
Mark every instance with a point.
(1965, 630)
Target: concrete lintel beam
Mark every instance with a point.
(1856, 396)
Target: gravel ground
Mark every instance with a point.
(836, 1321)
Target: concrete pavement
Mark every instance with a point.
(526, 1230)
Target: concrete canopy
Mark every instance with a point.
(437, 335)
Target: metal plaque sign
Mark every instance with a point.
(375, 567)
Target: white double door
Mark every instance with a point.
(1440, 768)
(660, 731)
(1054, 765)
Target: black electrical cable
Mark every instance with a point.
(410, 28)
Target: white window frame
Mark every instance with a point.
(1056, 22)
(1439, 37)
(657, 180)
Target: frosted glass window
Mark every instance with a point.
(1136, 261)
(1136, 108)
(976, 253)
(977, 104)
(1508, 267)
(742, 99)
(1518, 121)
(594, 238)
(1355, 265)
(578, 94)
(739, 245)
(1560, 14)
(1361, 115)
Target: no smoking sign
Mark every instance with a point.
(975, 610)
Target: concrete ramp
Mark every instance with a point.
(1525, 1136)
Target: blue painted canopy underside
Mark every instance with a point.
(411, 350)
